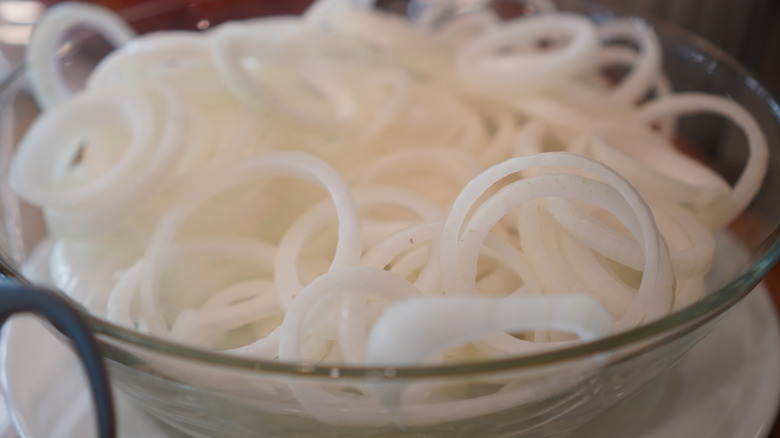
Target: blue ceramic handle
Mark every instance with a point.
(17, 298)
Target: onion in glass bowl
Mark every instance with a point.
(541, 392)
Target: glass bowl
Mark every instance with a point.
(206, 393)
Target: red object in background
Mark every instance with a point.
(267, 7)
(217, 11)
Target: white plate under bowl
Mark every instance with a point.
(728, 386)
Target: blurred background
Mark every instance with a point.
(747, 29)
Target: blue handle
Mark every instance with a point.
(17, 298)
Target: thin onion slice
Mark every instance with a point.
(49, 86)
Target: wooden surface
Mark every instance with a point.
(773, 282)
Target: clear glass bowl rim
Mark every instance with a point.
(652, 334)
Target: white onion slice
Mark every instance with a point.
(483, 68)
(721, 212)
(55, 140)
(645, 72)
(404, 335)
(299, 165)
(654, 166)
(49, 85)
